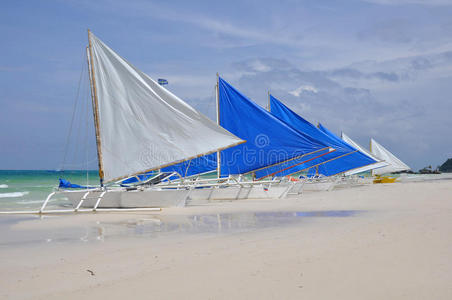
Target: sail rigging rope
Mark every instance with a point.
(80, 115)
(87, 134)
(74, 109)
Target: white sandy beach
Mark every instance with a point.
(371, 242)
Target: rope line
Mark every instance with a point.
(74, 109)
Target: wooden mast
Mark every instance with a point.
(217, 98)
(370, 150)
(268, 105)
(95, 107)
(253, 175)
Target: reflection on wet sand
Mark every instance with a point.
(218, 223)
(155, 225)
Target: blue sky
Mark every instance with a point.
(370, 68)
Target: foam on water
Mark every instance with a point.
(14, 194)
(33, 201)
(21, 189)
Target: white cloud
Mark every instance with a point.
(258, 65)
(304, 88)
(409, 116)
(217, 25)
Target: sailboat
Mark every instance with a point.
(270, 142)
(151, 145)
(357, 161)
(140, 127)
(379, 162)
(394, 163)
(323, 169)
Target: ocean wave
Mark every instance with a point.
(32, 201)
(3, 186)
(13, 195)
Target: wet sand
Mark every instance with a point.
(371, 242)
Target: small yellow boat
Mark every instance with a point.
(384, 179)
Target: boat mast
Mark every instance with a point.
(370, 150)
(95, 104)
(268, 105)
(217, 98)
(253, 174)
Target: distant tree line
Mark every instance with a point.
(429, 170)
(446, 167)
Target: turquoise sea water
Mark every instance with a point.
(27, 189)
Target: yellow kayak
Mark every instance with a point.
(384, 179)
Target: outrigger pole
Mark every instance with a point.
(95, 104)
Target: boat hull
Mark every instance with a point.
(121, 198)
(236, 192)
(385, 179)
(129, 199)
(319, 186)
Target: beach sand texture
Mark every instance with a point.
(371, 242)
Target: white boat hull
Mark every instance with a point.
(236, 192)
(154, 197)
(297, 188)
(319, 186)
(129, 199)
(351, 181)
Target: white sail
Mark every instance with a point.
(379, 163)
(143, 126)
(395, 164)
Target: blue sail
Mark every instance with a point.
(269, 140)
(355, 160)
(139, 178)
(199, 165)
(338, 161)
